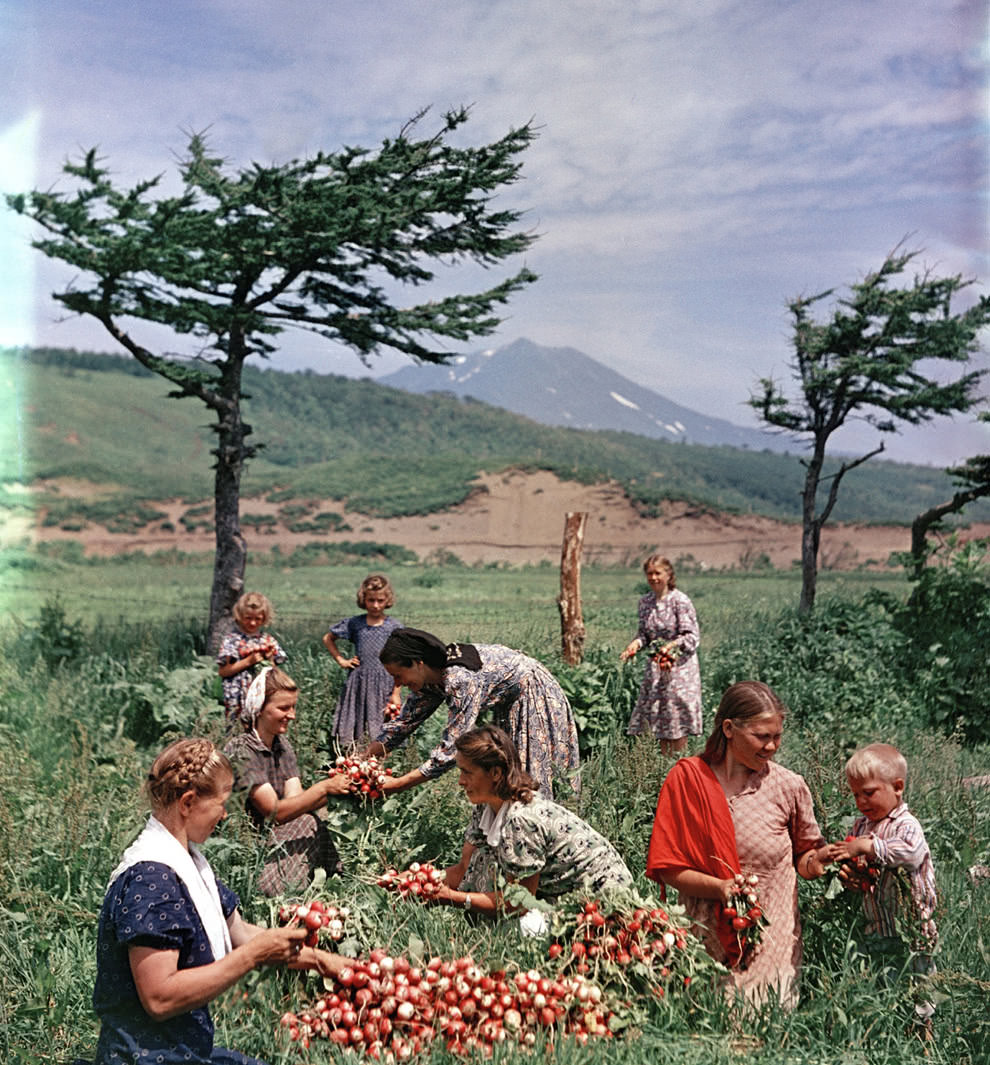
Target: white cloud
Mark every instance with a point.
(697, 163)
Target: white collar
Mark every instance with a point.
(491, 823)
(157, 844)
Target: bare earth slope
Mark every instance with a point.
(518, 517)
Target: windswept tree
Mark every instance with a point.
(866, 361)
(972, 481)
(322, 244)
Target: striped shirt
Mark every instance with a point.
(899, 843)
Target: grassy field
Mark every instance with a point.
(77, 736)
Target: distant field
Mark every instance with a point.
(513, 606)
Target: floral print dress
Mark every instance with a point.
(512, 691)
(542, 837)
(669, 703)
(235, 646)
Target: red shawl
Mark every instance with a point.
(693, 829)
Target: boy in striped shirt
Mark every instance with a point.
(899, 909)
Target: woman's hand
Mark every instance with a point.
(631, 650)
(337, 784)
(349, 663)
(323, 961)
(277, 946)
(811, 864)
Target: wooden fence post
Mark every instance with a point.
(569, 604)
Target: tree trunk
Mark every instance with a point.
(924, 521)
(571, 619)
(811, 533)
(231, 551)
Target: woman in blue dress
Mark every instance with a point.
(368, 690)
(170, 935)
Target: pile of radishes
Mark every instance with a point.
(745, 914)
(624, 945)
(315, 916)
(390, 1008)
(366, 776)
(422, 880)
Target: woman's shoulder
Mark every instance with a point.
(145, 882)
(537, 811)
(243, 745)
(675, 595)
(787, 779)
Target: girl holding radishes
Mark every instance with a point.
(534, 841)
(731, 833)
(170, 936)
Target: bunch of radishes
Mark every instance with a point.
(745, 914)
(265, 644)
(623, 945)
(390, 1008)
(422, 880)
(665, 655)
(366, 776)
(315, 916)
(859, 873)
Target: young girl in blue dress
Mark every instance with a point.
(171, 937)
(368, 689)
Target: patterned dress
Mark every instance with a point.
(298, 846)
(148, 905)
(669, 703)
(542, 837)
(512, 691)
(775, 824)
(360, 709)
(235, 646)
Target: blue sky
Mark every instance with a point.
(698, 163)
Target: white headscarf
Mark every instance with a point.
(157, 844)
(254, 700)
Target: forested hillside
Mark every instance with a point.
(104, 420)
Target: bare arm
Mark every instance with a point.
(699, 885)
(811, 864)
(411, 779)
(490, 903)
(345, 663)
(229, 669)
(167, 991)
(295, 801)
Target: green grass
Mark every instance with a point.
(70, 766)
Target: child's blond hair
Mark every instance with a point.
(376, 582)
(879, 760)
(253, 601)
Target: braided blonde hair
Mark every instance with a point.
(186, 765)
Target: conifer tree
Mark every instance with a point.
(322, 244)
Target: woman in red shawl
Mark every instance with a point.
(734, 810)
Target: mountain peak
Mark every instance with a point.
(565, 387)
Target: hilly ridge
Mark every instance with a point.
(385, 452)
